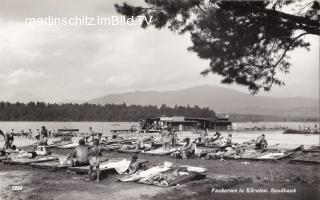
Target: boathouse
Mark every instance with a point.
(180, 123)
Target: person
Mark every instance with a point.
(94, 158)
(91, 132)
(203, 136)
(115, 136)
(216, 137)
(44, 136)
(38, 133)
(30, 133)
(140, 144)
(166, 140)
(174, 138)
(229, 139)
(81, 155)
(4, 137)
(99, 136)
(188, 148)
(261, 142)
(8, 140)
(134, 166)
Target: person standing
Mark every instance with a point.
(90, 134)
(174, 138)
(94, 158)
(229, 139)
(166, 140)
(9, 140)
(30, 133)
(44, 135)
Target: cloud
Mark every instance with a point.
(21, 76)
(55, 63)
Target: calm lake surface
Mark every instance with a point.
(273, 137)
(105, 127)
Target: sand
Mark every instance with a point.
(45, 184)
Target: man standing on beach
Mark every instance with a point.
(166, 139)
(30, 133)
(94, 158)
(44, 135)
(8, 140)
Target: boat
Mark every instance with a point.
(66, 132)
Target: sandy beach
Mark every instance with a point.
(227, 174)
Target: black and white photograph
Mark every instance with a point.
(159, 99)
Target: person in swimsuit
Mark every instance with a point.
(166, 139)
(188, 148)
(44, 136)
(81, 154)
(261, 142)
(94, 158)
(229, 139)
(9, 140)
(134, 165)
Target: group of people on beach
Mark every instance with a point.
(83, 155)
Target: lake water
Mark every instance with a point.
(273, 137)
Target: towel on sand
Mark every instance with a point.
(120, 166)
(142, 174)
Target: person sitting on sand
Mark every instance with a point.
(261, 142)
(81, 154)
(140, 144)
(18, 153)
(216, 137)
(134, 166)
(94, 158)
(188, 148)
(13, 149)
(115, 136)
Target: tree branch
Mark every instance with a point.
(293, 18)
(288, 47)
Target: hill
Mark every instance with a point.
(222, 100)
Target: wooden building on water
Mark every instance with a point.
(180, 123)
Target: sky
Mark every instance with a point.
(79, 63)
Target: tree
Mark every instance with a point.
(246, 42)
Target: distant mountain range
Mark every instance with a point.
(222, 100)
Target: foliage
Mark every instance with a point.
(41, 111)
(246, 42)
